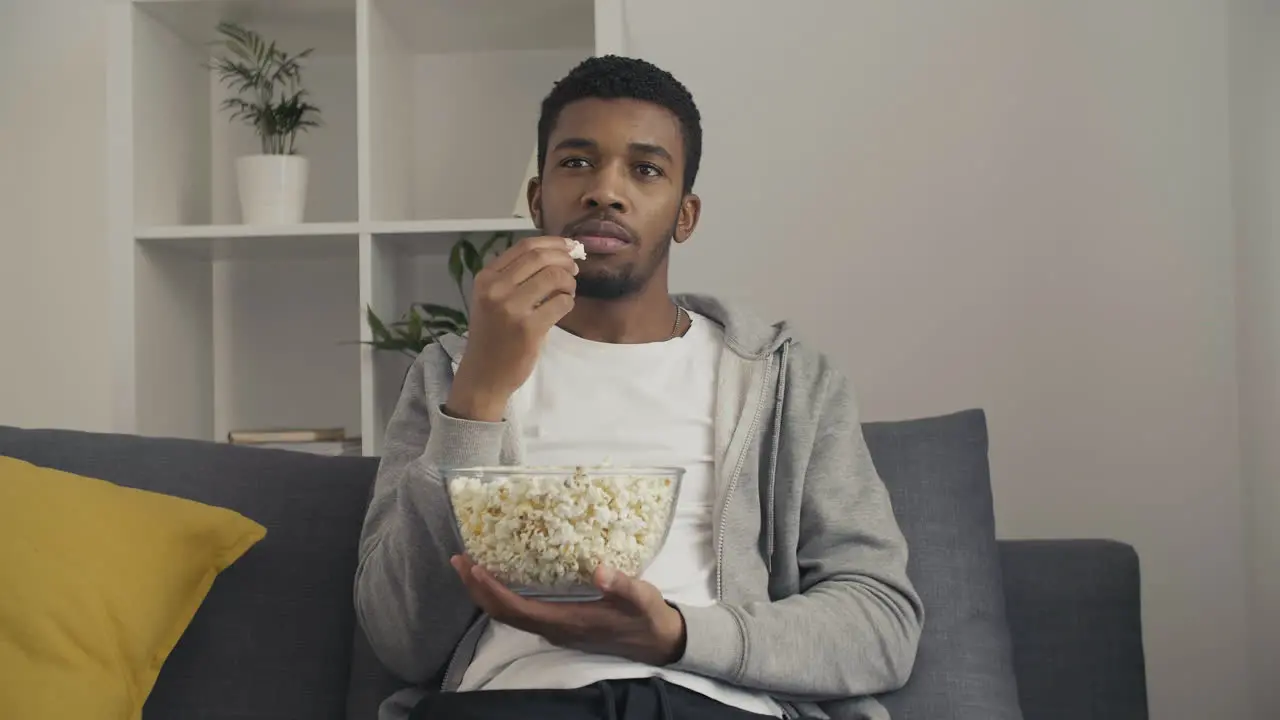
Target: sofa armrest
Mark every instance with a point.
(1075, 614)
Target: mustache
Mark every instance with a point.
(589, 225)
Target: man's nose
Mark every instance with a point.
(607, 191)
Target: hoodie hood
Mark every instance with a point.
(744, 332)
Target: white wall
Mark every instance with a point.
(1255, 113)
(1020, 206)
(53, 321)
(480, 185)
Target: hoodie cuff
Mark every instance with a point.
(714, 643)
(455, 443)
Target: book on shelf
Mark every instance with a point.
(319, 441)
(285, 435)
(350, 446)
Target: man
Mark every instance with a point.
(782, 589)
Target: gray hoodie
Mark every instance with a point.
(814, 603)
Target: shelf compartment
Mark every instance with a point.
(285, 344)
(453, 94)
(234, 344)
(429, 111)
(184, 146)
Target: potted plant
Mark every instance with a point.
(267, 95)
(423, 323)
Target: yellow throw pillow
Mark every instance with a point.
(97, 583)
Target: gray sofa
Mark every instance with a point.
(277, 639)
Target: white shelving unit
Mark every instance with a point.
(429, 110)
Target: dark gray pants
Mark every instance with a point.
(650, 699)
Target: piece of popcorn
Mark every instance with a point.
(551, 532)
(577, 250)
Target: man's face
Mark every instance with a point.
(613, 180)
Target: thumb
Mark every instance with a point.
(622, 587)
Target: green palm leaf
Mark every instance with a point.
(265, 83)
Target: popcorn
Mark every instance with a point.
(577, 250)
(550, 532)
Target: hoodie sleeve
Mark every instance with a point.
(408, 598)
(854, 627)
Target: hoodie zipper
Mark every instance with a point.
(733, 481)
(469, 642)
(448, 668)
(773, 456)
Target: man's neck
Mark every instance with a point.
(647, 316)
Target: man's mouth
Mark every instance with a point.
(601, 237)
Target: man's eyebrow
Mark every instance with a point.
(651, 149)
(576, 143)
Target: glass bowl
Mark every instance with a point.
(542, 531)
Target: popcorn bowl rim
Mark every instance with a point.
(583, 592)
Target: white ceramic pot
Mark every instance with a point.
(273, 189)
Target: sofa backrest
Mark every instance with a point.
(276, 637)
(273, 638)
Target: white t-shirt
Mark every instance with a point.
(641, 405)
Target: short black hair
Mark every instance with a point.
(611, 77)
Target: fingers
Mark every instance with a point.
(524, 247)
(534, 261)
(488, 593)
(478, 587)
(631, 620)
(492, 597)
(541, 269)
(623, 589)
(544, 285)
(552, 311)
(503, 605)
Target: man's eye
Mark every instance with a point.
(649, 170)
(574, 163)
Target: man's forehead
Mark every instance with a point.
(622, 120)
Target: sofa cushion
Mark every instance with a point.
(272, 639)
(1075, 612)
(99, 583)
(938, 477)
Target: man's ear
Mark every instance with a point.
(687, 221)
(534, 194)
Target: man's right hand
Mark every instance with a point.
(516, 299)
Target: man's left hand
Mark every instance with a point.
(632, 620)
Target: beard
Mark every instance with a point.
(620, 282)
(609, 285)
